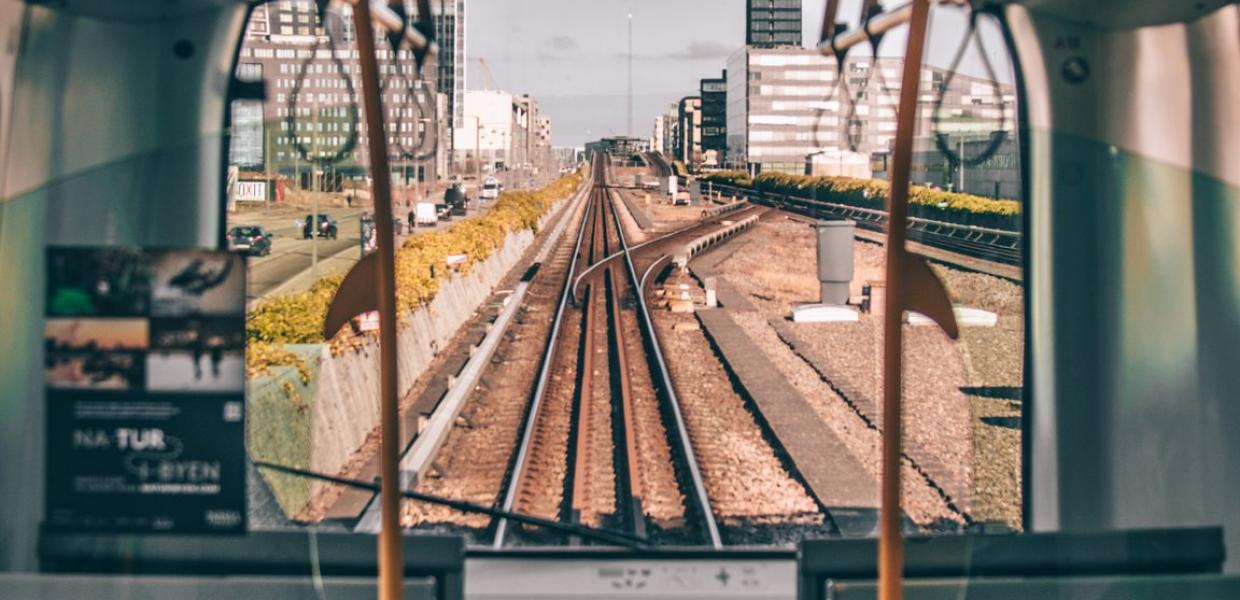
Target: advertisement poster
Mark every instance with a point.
(145, 376)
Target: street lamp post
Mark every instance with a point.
(418, 164)
(314, 194)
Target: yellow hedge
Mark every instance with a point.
(872, 193)
(297, 318)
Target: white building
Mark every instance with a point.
(783, 106)
(656, 140)
(488, 127)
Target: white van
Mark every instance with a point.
(424, 214)
(490, 189)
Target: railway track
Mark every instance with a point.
(993, 245)
(603, 402)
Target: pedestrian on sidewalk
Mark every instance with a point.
(349, 200)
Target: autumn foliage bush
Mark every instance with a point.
(924, 202)
(297, 318)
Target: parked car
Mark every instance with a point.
(249, 239)
(323, 226)
(444, 211)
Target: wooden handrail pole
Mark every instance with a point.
(391, 559)
(890, 544)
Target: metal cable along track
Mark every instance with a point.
(995, 245)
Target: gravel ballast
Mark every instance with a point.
(961, 398)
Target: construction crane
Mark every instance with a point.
(486, 74)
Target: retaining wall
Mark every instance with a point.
(344, 407)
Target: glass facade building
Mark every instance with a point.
(773, 23)
(784, 104)
(277, 29)
(714, 94)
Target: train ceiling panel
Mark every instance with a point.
(1124, 14)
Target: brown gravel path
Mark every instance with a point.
(993, 360)
(962, 398)
(744, 479)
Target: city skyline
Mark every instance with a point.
(578, 72)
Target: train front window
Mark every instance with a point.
(764, 299)
(667, 398)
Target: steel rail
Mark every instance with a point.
(996, 245)
(579, 485)
(617, 254)
(665, 381)
(632, 479)
(544, 374)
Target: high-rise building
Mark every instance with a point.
(689, 132)
(671, 124)
(450, 33)
(773, 23)
(656, 139)
(531, 133)
(785, 110)
(279, 49)
(714, 94)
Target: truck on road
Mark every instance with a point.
(425, 214)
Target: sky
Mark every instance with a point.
(572, 54)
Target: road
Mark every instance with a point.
(290, 254)
(289, 267)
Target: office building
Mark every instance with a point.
(671, 125)
(502, 130)
(772, 23)
(279, 48)
(688, 149)
(452, 57)
(714, 93)
(782, 107)
(656, 139)
(488, 131)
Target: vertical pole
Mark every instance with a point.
(314, 193)
(960, 153)
(391, 561)
(296, 160)
(890, 545)
(630, 112)
(267, 169)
